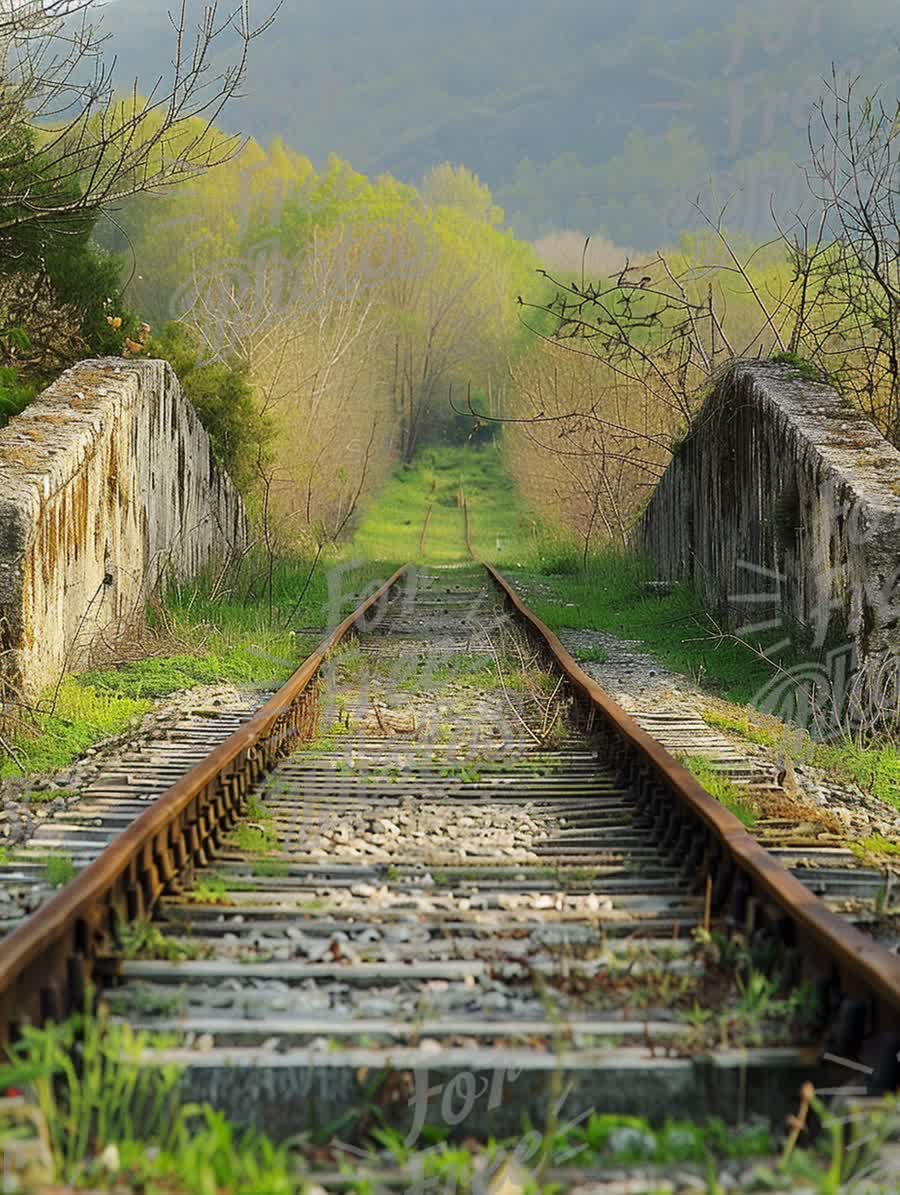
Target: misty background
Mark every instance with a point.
(594, 115)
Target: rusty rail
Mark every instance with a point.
(856, 981)
(47, 963)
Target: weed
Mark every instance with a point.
(47, 796)
(592, 655)
(97, 1099)
(801, 367)
(256, 810)
(874, 768)
(144, 940)
(270, 868)
(725, 791)
(253, 840)
(610, 594)
(58, 870)
(80, 718)
(210, 890)
(875, 847)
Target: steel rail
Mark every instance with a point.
(47, 963)
(857, 981)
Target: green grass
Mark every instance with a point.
(253, 840)
(48, 795)
(875, 769)
(144, 940)
(501, 526)
(270, 869)
(229, 640)
(112, 1121)
(268, 662)
(210, 889)
(609, 595)
(725, 791)
(592, 655)
(392, 525)
(58, 870)
(876, 846)
(240, 637)
(83, 716)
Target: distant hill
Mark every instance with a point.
(591, 114)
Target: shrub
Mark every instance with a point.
(222, 395)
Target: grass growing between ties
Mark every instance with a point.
(58, 870)
(84, 1111)
(725, 791)
(144, 940)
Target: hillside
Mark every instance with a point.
(590, 114)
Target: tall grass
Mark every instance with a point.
(112, 1117)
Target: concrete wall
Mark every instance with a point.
(106, 482)
(784, 504)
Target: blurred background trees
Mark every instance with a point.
(329, 324)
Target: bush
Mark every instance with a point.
(15, 394)
(58, 286)
(222, 396)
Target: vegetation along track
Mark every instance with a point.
(441, 869)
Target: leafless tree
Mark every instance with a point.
(70, 145)
(850, 263)
(307, 330)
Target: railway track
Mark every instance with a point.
(442, 871)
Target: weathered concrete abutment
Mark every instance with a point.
(783, 504)
(107, 483)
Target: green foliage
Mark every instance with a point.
(270, 869)
(874, 767)
(144, 940)
(114, 1120)
(85, 280)
(627, 1140)
(222, 395)
(500, 526)
(66, 724)
(725, 791)
(88, 280)
(15, 393)
(591, 655)
(610, 594)
(806, 369)
(253, 840)
(211, 889)
(218, 1157)
(234, 643)
(875, 846)
(59, 869)
(688, 94)
(158, 676)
